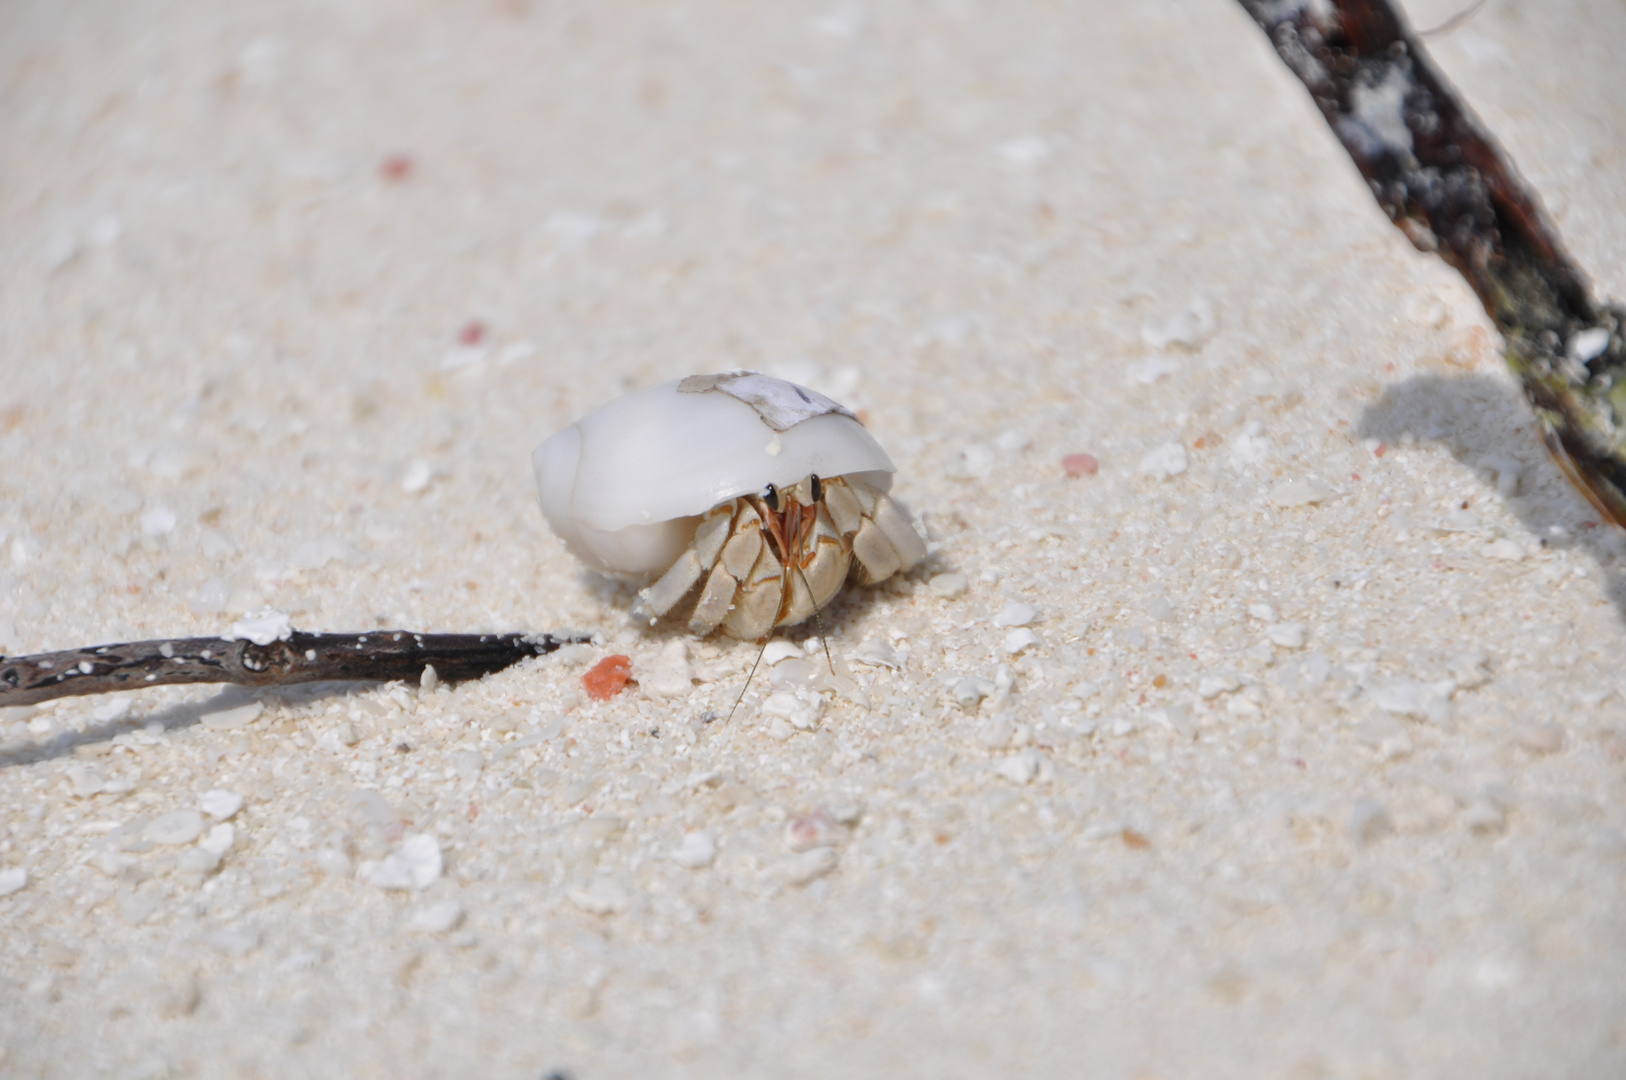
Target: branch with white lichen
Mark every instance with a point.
(298, 657)
(1444, 182)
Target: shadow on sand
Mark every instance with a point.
(1488, 426)
(184, 715)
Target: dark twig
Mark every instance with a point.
(300, 658)
(1445, 183)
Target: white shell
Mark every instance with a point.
(624, 486)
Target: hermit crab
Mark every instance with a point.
(760, 496)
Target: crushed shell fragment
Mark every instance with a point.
(608, 677)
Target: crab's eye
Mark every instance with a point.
(818, 487)
(771, 497)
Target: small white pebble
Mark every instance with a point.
(1263, 612)
(1160, 609)
(417, 477)
(877, 653)
(220, 804)
(949, 586)
(1504, 550)
(1287, 635)
(778, 649)
(219, 840)
(175, 827)
(157, 521)
(231, 719)
(84, 781)
(437, 918)
(970, 691)
(672, 676)
(1016, 613)
(113, 709)
(1013, 442)
(800, 712)
(12, 879)
(1020, 639)
(416, 864)
(1250, 448)
(1217, 683)
(696, 851)
(421, 853)
(1020, 768)
(1165, 462)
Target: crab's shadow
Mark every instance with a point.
(1488, 426)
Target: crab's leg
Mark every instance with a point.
(756, 604)
(715, 599)
(673, 585)
(908, 544)
(874, 557)
(885, 543)
(820, 570)
(696, 559)
(845, 512)
(736, 553)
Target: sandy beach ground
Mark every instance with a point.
(1291, 743)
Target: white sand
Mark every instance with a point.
(1184, 844)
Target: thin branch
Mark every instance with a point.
(302, 657)
(1454, 21)
(1445, 183)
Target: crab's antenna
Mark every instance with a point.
(748, 678)
(818, 621)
